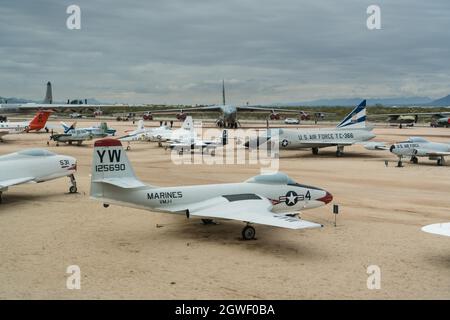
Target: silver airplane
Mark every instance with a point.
(351, 130)
(416, 147)
(273, 200)
(77, 136)
(229, 113)
(35, 165)
(442, 229)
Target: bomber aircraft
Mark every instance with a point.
(35, 165)
(229, 112)
(273, 200)
(350, 131)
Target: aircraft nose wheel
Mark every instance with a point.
(73, 188)
(248, 233)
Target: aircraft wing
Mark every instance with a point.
(248, 208)
(13, 182)
(270, 109)
(442, 229)
(396, 115)
(191, 109)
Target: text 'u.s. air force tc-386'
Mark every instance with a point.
(273, 199)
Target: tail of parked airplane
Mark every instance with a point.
(356, 118)
(48, 94)
(188, 124)
(111, 170)
(39, 121)
(68, 128)
(140, 125)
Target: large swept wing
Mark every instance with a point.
(248, 208)
(275, 109)
(13, 182)
(419, 114)
(190, 109)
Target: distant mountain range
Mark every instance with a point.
(401, 101)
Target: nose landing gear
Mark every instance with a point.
(73, 187)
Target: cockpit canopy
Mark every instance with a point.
(416, 139)
(276, 178)
(36, 153)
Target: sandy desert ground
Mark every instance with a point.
(134, 254)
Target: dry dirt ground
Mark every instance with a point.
(135, 254)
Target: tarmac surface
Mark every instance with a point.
(128, 253)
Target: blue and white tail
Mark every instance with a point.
(355, 119)
(68, 128)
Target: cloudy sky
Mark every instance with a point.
(177, 51)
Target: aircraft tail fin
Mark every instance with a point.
(140, 125)
(111, 167)
(356, 118)
(68, 128)
(48, 94)
(188, 123)
(40, 120)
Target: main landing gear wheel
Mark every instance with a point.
(315, 151)
(339, 153)
(73, 189)
(105, 205)
(440, 162)
(248, 233)
(207, 221)
(414, 160)
(399, 163)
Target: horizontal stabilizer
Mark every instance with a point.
(127, 183)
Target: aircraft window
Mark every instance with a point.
(240, 197)
(36, 153)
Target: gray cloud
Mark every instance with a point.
(174, 51)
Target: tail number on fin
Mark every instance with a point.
(112, 156)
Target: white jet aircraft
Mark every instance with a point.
(190, 144)
(145, 134)
(35, 165)
(419, 147)
(442, 229)
(351, 130)
(273, 200)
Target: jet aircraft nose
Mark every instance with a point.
(327, 198)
